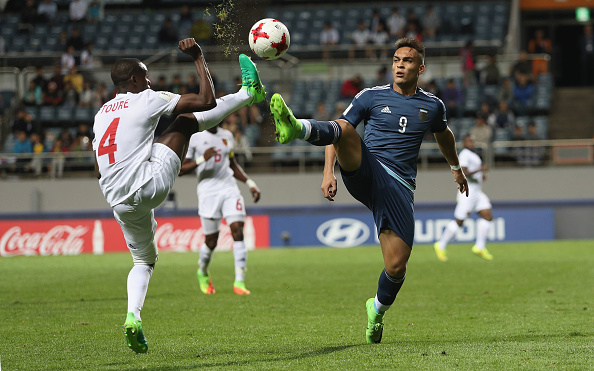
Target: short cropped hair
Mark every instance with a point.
(411, 43)
(123, 69)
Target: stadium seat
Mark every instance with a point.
(501, 135)
(84, 114)
(47, 114)
(64, 114)
(542, 126)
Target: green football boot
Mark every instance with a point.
(484, 253)
(250, 79)
(134, 335)
(375, 323)
(205, 283)
(240, 289)
(288, 128)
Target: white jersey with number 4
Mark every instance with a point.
(215, 174)
(124, 132)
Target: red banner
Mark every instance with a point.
(77, 236)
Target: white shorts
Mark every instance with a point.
(476, 201)
(228, 204)
(135, 214)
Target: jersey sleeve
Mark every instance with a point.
(358, 109)
(440, 123)
(161, 103)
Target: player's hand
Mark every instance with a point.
(255, 194)
(329, 187)
(189, 47)
(209, 153)
(460, 178)
(485, 167)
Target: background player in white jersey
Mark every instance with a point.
(135, 174)
(210, 154)
(478, 202)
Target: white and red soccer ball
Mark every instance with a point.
(269, 38)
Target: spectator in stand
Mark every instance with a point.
(481, 134)
(587, 55)
(522, 66)
(201, 31)
(162, 84)
(83, 130)
(56, 168)
(430, 23)
(39, 79)
(411, 18)
(452, 99)
(57, 78)
(75, 79)
(53, 97)
(328, 37)
(490, 73)
(88, 60)
(522, 95)
(321, 113)
(75, 40)
(66, 138)
(95, 14)
(22, 146)
(484, 110)
(383, 77)
(433, 88)
(176, 84)
(70, 95)
(396, 24)
(33, 95)
(375, 20)
(86, 96)
(47, 11)
(502, 118)
(78, 10)
(67, 60)
(62, 41)
(380, 40)
(539, 45)
(24, 122)
(360, 39)
(100, 95)
(28, 17)
(38, 147)
(412, 31)
(186, 19)
(506, 90)
(167, 33)
(193, 86)
(351, 87)
(468, 63)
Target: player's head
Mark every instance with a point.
(130, 75)
(468, 142)
(408, 62)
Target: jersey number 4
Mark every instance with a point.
(109, 138)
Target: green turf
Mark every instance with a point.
(530, 308)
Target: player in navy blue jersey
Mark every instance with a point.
(380, 170)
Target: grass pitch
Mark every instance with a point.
(530, 308)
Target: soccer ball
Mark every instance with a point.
(269, 38)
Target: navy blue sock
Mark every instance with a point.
(321, 133)
(388, 287)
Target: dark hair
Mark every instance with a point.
(123, 69)
(411, 43)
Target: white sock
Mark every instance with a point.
(138, 281)
(307, 132)
(225, 106)
(482, 232)
(379, 307)
(448, 234)
(204, 259)
(240, 255)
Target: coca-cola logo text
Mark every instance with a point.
(59, 240)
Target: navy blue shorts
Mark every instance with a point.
(391, 203)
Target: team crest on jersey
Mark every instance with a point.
(165, 96)
(225, 142)
(423, 114)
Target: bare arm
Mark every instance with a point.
(190, 164)
(205, 100)
(447, 145)
(329, 180)
(239, 174)
(97, 173)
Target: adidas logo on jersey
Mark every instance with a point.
(386, 110)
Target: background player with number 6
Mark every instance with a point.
(135, 174)
(210, 154)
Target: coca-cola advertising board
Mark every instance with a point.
(78, 236)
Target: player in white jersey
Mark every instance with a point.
(210, 155)
(135, 174)
(477, 201)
